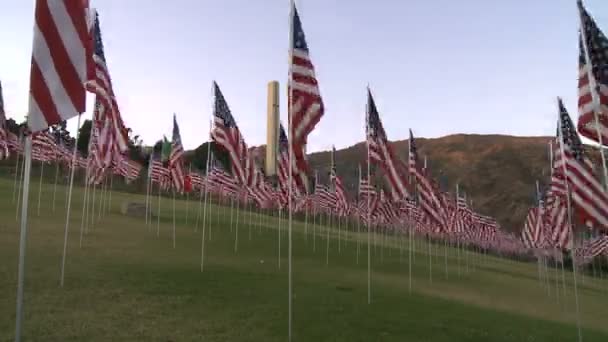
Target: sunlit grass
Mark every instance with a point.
(127, 284)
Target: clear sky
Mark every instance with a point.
(437, 66)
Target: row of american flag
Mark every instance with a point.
(411, 198)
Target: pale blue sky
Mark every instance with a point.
(437, 66)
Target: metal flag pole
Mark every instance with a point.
(84, 204)
(15, 184)
(327, 228)
(173, 218)
(148, 194)
(55, 186)
(457, 234)
(21, 191)
(188, 196)
(27, 162)
(569, 209)
(291, 143)
(67, 219)
(205, 208)
(236, 224)
(279, 250)
(411, 226)
(158, 209)
(111, 186)
(102, 192)
(369, 236)
(40, 187)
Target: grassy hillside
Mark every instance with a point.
(127, 282)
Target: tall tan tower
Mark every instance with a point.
(272, 133)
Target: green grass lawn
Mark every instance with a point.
(127, 284)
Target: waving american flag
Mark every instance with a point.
(226, 134)
(305, 104)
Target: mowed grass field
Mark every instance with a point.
(127, 284)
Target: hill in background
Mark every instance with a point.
(498, 172)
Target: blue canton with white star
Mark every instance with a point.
(299, 40)
(221, 108)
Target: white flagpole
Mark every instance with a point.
(188, 196)
(291, 143)
(110, 197)
(314, 228)
(67, 219)
(158, 209)
(561, 146)
(327, 228)
(205, 206)
(84, 205)
(173, 218)
(23, 237)
(306, 223)
(15, 184)
(101, 198)
(369, 239)
(55, 186)
(91, 209)
(279, 254)
(236, 226)
(20, 191)
(411, 233)
(148, 195)
(40, 187)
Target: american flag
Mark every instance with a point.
(341, 204)
(588, 196)
(429, 199)
(226, 134)
(60, 58)
(380, 151)
(111, 133)
(126, 168)
(591, 249)
(305, 105)
(593, 79)
(176, 163)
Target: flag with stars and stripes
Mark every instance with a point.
(341, 204)
(176, 156)
(112, 137)
(589, 198)
(593, 79)
(381, 152)
(61, 56)
(305, 105)
(226, 134)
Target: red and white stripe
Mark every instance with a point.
(60, 55)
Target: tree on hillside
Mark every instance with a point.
(199, 157)
(84, 134)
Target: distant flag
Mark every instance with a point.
(341, 204)
(165, 151)
(176, 156)
(305, 106)
(60, 58)
(226, 134)
(593, 78)
(381, 152)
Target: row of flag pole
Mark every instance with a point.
(68, 60)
